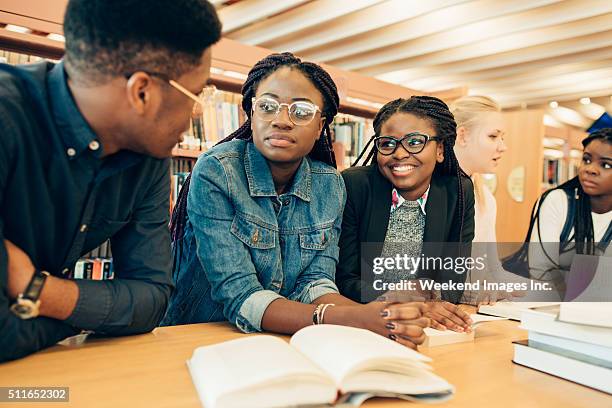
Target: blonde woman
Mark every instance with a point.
(479, 147)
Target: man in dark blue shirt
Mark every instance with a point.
(84, 149)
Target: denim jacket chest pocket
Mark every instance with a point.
(261, 241)
(313, 242)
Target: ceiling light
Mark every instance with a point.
(585, 101)
(17, 29)
(553, 104)
(56, 37)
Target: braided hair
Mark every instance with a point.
(583, 223)
(436, 111)
(322, 149)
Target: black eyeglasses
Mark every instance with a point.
(414, 143)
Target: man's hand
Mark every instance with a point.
(58, 297)
(20, 269)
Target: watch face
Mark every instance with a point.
(25, 308)
(21, 309)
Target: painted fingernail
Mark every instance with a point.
(385, 313)
(390, 326)
(393, 337)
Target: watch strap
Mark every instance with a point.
(35, 286)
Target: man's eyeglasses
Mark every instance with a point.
(414, 143)
(173, 84)
(301, 113)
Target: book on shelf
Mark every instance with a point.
(16, 58)
(571, 350)
(443, 337)
(351, 134)
(555, 172)
(319, 363)
(181, 167)
(94, 269)
(96, 264)
(219, 115)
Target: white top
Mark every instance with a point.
(553, 212)
(485, 218)
(485, 245)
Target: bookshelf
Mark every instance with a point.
(350, 134)
(360, 96)
(562, 154)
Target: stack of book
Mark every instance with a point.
(511, 310)
(572, 341)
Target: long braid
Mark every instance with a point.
(322, 149)
(435, 110)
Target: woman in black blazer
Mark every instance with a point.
(430, 175)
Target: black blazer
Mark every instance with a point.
(366, 219)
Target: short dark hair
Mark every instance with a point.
(108, 38)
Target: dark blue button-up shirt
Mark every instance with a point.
(59, 199)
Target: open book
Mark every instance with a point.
(319, 363)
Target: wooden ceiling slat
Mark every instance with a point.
(309, 15)
(366, 20)
(547, 24)
(431, 32)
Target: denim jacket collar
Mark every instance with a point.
(260, 178)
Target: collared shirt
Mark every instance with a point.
(245, 246)
(397, 200)
(59, 200)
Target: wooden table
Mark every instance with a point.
(149, 371)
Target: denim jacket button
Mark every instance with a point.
(255, 237)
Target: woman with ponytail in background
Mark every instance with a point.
(256, 226)
(410, 192)
(479, 147)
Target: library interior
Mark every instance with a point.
(428, 222)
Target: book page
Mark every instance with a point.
(251, 363)
(339, 350)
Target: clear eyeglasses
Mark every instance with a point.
(301, 113)
(414, 143)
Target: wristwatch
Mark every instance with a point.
(27, 303)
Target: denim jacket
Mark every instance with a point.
(244, 246)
